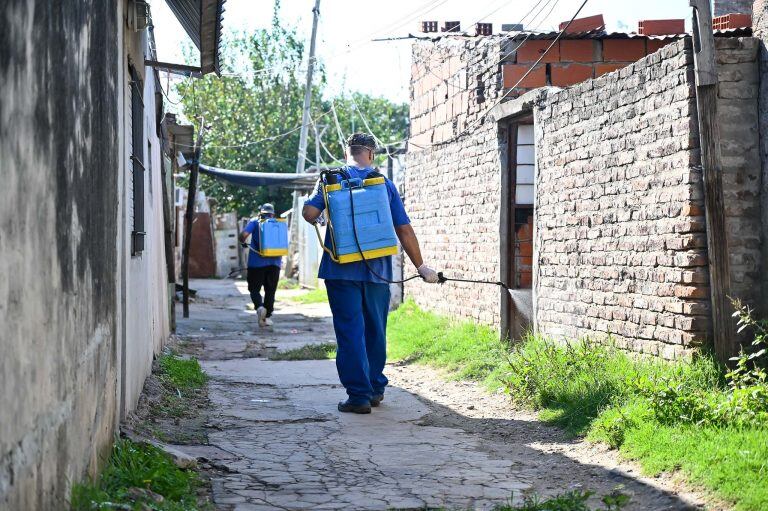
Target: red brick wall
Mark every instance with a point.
(571, 61)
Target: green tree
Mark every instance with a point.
(388, 120)
(260, 96)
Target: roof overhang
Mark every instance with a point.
(201, 20)
(181, 137)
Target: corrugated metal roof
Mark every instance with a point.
(593, 34)
(202, 20)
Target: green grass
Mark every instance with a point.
(572, 384)
(681, 416)
(575, 500)
(135, 470)
(467, 350)
(182, 373)
(317, 295)
(308, 352)
(731, 461)
(182, 382)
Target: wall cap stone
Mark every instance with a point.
(522, 104)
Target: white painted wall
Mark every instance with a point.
(145, 319)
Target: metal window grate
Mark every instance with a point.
(137, 161)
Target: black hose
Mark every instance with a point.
(235, 271)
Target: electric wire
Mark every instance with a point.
(481, 117)
(265, 139)
(358, 43)
(339, 131)
(510, 36)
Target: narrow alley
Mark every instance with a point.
(279, 442)
(537, 230)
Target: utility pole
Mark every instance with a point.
(189, 217)
(295, 215)
(723, 333)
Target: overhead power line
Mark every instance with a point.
(481, 117)
(508, 36)
(265, 139)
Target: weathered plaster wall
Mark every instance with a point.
(59, 161)
(452, 187)
(620, 229)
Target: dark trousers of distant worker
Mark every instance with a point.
(360, 320)
(267, 277)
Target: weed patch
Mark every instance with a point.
(174, 403)
(139, 476)
(570, 501)
(308, 352)
(184, 374)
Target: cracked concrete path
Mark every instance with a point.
(279, 443)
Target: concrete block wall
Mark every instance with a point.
(722, 7)
(452, 186)
(760, 27)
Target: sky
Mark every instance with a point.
(355, 63)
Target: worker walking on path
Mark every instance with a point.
(359, 297)
(262, 271)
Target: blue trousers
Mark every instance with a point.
(360, 321)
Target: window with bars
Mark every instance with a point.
(137, 161)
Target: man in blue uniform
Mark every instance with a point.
(262, 271)
(359, 299)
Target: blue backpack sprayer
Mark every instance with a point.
(273, 237)
(360, 222)
(273, 240)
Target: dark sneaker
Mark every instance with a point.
(377, 399)
(347, 407)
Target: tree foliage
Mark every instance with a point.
(253, 113)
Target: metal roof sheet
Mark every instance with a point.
(592, 34)
(202, 20)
